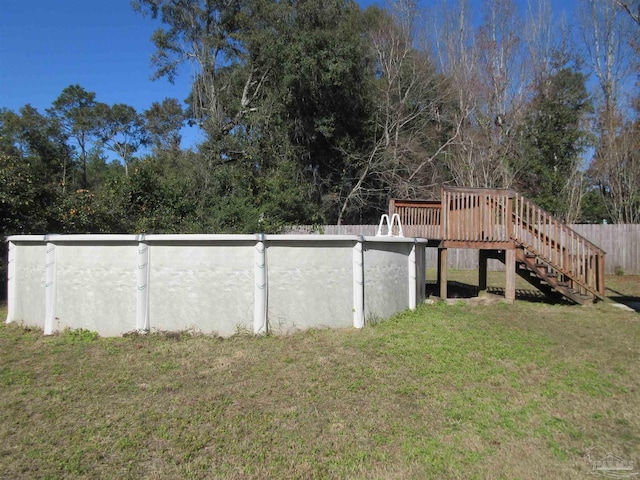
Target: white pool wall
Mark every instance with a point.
(26, 281)
(214, 284)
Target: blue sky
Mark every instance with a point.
(104, 46)
(47, 45)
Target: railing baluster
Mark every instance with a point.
(570, 253)
(530, 225)
(452, 223)
(547, 249)
(500, 208)
(469, 212)
(555, 239)
(477, 219)
(464, 222)
(474, 215)
(583, 265)
(534, 238)
(456, 213)
(521, 213)
(573, 251)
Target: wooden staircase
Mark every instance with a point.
(556, 255)
(548, 254)
(545, 278)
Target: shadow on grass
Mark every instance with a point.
(619, 297)
(457, 289)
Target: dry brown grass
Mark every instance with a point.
(506, 391)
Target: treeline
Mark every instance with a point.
(318, 112)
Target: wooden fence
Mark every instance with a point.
(620, 242)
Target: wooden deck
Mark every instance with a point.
(503, 224)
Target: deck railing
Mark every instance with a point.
(419, 218)
(567, 251)
(476, 214)
(494, 215)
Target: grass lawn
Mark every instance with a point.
(447, 391)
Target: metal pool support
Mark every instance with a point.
(142, 297)
(358, 284)
(261, 293)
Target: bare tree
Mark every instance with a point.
(607, 34)
(489, 77)
(456, 51)
(547, 36)
(632, 10)
(619, 175)
(408, 133)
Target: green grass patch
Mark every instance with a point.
(503, 391)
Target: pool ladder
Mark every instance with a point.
(384, 220)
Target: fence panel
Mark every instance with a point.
(621, 242)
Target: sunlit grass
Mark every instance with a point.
(502, 391)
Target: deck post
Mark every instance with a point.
(444, 217)
(442, 271)
(510, 274)
(482, 269)
(600, 274)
